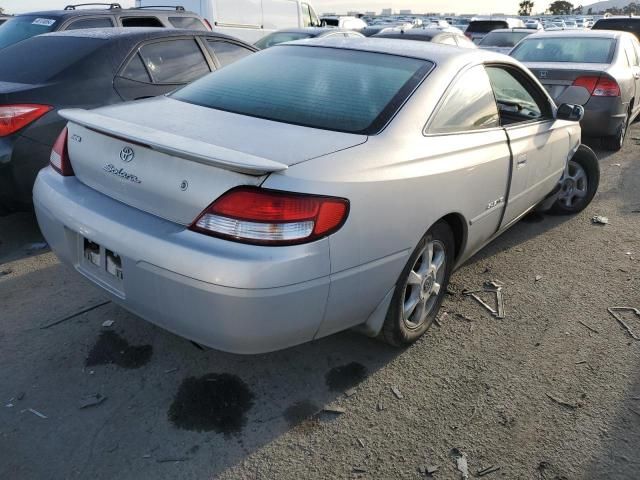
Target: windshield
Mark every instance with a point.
(280, 37)
(41, 59)
(565, 49)
(485, 26)
(503, 39)
(25, 26)
(332, 89)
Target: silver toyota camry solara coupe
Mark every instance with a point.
(309, 188)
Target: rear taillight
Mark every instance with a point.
(208, 24)
(59, 158)
(16, 117)
(598, 86)
(270, 217)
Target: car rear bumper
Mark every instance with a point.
(603, 116)
(229, 296)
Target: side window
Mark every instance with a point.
(515, 102)
(104, 22)
(307, 21)
(175, 61)
(636, 47)
(227, 52)
(141, 22)
(469, 105)
(136, 70)
(188, 23)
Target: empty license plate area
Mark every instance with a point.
(102, 264)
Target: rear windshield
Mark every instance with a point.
(280, 37)
(25, 26)
(621, 24)
(331, 89)
(565, 49)
(331, 22)
(41, 59)
(502, 39)
(486, 26)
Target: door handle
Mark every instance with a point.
(522, 160)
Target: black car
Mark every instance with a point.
(27, 25)
(624, 24)
(434, 35)
(88, 69)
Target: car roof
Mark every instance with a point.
(317, 30)
(417, 32)
(580, 33)
(143, 12)
(513, 30)
(437, 53)
(135, 33)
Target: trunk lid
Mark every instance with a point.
(172, 159)
(556, 78)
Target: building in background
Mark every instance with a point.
(387, 11)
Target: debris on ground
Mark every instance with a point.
(20, 396)
(359, 470)
(464, 317)
(91, 400)
(487, 471)
(588, 327)
(37, 413)
(73, 315)
(599, 220)
(492, 286)
(350, 393)
(171, 370)
(559, 401)
(440, 319)
(614, 311)
(171, 459)
(108, 323)
(32, 247)
(361, 442)
(397, 393)
(380, 405)
(335, 410)
(461, 462)
(538, 278)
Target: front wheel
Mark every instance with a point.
(421, 287)
(579, 183)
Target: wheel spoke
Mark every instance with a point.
(419, 312)
(414, 278)
(438, 261)
(429, 253)
(581, 193)
(410, 306)
(435, 289)
(580, 175)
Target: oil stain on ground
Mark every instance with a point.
(112, 348)
(300, 411)
(217, 402)
(346, 376)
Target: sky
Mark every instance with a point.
(339, 6)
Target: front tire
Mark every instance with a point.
(421, 287)
(579, 183)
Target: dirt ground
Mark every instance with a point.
(552, 391)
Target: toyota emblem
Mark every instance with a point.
(127, 154)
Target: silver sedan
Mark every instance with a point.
(309, 188)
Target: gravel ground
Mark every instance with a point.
(550, 392)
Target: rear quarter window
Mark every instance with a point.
(188, 23)
(174, 61)
(227, 52)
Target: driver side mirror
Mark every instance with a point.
(572, 113)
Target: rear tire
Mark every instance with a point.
(579, 183)
(421, 287)
(615, 142)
